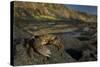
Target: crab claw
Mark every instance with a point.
(44, 51)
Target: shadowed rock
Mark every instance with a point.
(57, 56)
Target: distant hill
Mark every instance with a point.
(46, 11)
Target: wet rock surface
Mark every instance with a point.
(77, 32)
(57, 56)
(74, 51)
(79, 46)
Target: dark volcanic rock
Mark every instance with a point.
(71, 42)
(74, 51)
(77, 54)
(57, 56)
(79, 50)
(88, 56)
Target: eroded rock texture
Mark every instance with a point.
(73, 50)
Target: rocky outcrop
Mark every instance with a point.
(79, 45)
(43, 11)
(57, 56)
(74, 51)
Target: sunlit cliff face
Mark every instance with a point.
(44, 11)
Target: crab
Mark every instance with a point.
(39, 44)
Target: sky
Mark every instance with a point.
(85, 8)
